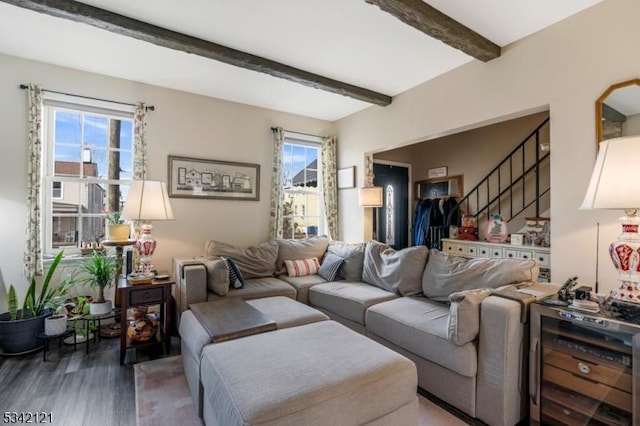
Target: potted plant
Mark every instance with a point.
(56, 323)
(19, 327)
(100, 271)
(117, 230)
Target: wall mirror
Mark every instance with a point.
(618, 111)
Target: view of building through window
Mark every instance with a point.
(89, 158)
(303, 212)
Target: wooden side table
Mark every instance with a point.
(156, 293)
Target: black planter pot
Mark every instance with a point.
(19, 336)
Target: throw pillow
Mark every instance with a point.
(353, 255)
(235, 276)
(397, 271)
(254, 262)
(217, 275)
(330, 267)
(463, 325)
(298, 250)
(302, 267)
(446, 274)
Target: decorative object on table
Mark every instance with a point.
(347, 177)
(517, 239)
(468, 229)
(116, 229)
(143, 325)
(442, 187)
(496, 230)
(222, 180)
(139, 278)
(453, 231)
(99, 271)
(147, 200)
(19, 327)
(612, 187)
(537, 230)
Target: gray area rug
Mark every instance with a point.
(163, 398)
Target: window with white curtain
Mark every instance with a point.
(303, 215)
(88, 166)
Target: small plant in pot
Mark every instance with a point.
(117, 230)
(19, 327)
(99, 271)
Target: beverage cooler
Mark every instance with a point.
(584, 368)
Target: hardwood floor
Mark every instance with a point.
(75, 387)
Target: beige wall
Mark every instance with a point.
(561, 69)
(182, 124)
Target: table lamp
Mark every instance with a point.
(613, 186)
(147, 200)
(371, 196)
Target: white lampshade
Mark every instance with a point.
(613, 182)
(147, 200)
(371, 196)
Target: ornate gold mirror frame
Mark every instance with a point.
(618, 111)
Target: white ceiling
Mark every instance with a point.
(347, 40)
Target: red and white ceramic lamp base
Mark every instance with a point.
(145, 246)
(625, 254)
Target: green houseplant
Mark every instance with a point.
(19, 327)
(117, 230)
(99, 271)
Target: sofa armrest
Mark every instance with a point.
(190, 276)
(501, 379)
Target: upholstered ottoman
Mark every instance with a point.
(284, 311)
(316, 374)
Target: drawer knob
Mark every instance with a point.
(584, 368)
(510, 255)
(459, 248)
(146, 295)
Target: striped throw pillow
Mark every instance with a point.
(235, 276)
(302, 267)
(330, 267)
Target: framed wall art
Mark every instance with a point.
(213, 179)
(448, 186)
(347, 177)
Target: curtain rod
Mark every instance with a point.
(273, 129)
(147, 108)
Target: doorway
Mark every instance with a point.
(393, 216)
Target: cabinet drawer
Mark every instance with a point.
(496, 252)
(450, 248)
(472, 250)
(483, 251)
(598, 391)
(542, 257)
(616, 377)
(147, 295)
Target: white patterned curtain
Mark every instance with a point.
(33, 249)
(140, 142)
(330, 184)
(276, 222)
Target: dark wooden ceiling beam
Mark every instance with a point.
(119, 24)
(436, 24)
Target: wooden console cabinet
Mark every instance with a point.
(584, 368)
(467, 248)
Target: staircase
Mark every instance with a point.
(515, 188)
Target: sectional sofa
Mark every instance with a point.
(447, 314)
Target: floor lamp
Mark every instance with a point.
(371, 197)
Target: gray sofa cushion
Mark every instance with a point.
(217, 275)
(299, 249)
(420, 326)
(302, 285)
(446, 274)
(259, 287)
(347, 299)
(353, 255)
(254, 262)
(399, 271)
(464, 314)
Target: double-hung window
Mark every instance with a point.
(88, 167)
(303, 215)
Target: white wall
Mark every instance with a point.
(564, 68)
(182, 124)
